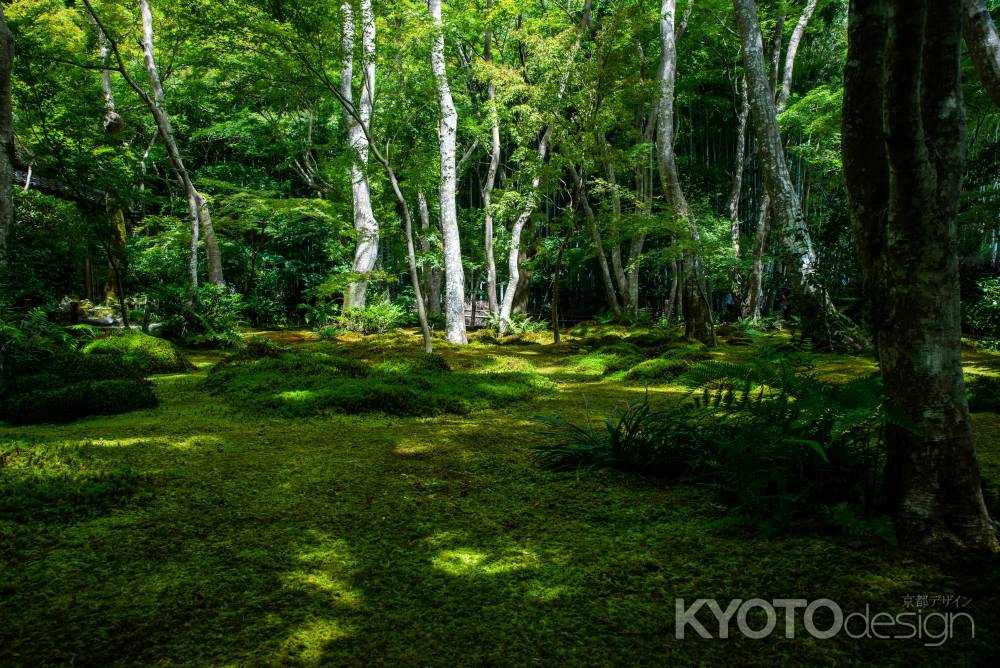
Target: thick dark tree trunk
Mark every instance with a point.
(902, 142)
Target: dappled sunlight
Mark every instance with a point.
(308, 644)
(465, 561)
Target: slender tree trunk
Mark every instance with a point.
(432, 274)
(754, 300)
(595, 233)
(791, 52)
(200, 214)
(555, 286)
(454, 274)
(491, 175)
(902, 142)
(514, 255)
(365, 225)
(6, 140)
(733, 208)
(984, 45)
(697, 306)
(814, 306)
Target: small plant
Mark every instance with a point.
(211, 321)
(778, 445)
(372, 319)
(981, 316)
(320, 315)
(518, 325)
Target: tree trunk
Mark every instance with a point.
(514, 255)
(595, 233)
(793, 49)
(814, 306)
(754, 299)
(432, 274)
(697, 307)
(447, 135)
(733, 208)
(200, 216)
(984, 45)
(6, 140)
(491, 175)
(365, 225)
(902, 142)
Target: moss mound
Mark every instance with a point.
(146, 354)
(606, 359)
(70, 386)
(670, 364)
(301, 383)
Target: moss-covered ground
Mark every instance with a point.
(202, 532)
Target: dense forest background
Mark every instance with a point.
(254, 92)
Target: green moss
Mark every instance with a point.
(372, 539)
(670, 364)
(69, 386)
(146, 354)
(304, 383)
(984, 394)
(606, 359)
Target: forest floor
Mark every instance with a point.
(252, 539)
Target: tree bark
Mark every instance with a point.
(984, 45)
(200, 214)
(491, 175)
(903, 138)
(365, 225)
(447, 135)
(814, 306)
(595, 233)
(791, 52)
(733, 207)
(6, 140)
(432, 274)
(698, 322)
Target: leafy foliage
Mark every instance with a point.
(371, 319)
(777, 444)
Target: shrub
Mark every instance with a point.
(981, 314)
(147, 354)
(212, 321)
(44, 378)
(371, 319)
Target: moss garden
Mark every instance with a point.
(357, 501)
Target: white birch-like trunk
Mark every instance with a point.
(201, 219)
(447, 136)
(365, 225)
(984, 45)
(793, 49)
(697, 306)
(491, 175)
